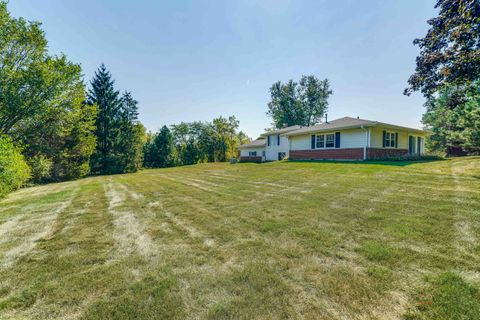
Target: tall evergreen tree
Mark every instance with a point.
(131, 135)
(103, 94)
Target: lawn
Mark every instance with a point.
(267, 241)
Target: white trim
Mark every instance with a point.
(325, 141)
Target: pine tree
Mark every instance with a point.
(103, 94)
(132, 135)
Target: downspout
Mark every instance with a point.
(366, 142)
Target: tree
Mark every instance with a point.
(129, 146)
(303, 103)
(164, 143)
(227, 141)
(207, 141)
(62, 136)
(42, 102)
(450, 51)
(454, 124)
(30, 80)
(103, 94)
(159, 149)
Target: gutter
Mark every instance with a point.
(367, 133)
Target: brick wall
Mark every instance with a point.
(327, 154)
(378, 153)
(251, 159)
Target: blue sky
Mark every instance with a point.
(196, 60)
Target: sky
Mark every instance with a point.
(200, 59)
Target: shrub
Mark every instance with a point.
(41, 168)
(14, 171)
(429, 157)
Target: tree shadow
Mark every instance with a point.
(397, 163)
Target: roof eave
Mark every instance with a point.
(327, 129)
(365, 125)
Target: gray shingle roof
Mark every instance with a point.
(345, 123)
(254, 144)
(281, 131)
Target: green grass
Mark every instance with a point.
(315, 240)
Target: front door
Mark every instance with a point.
(411, 145)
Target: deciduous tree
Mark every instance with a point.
(450, 51)
(303, 103)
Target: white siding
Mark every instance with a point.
(273, 150)
(245, 152)
(300, 142)
(354, 138)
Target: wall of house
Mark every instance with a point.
(376, 134)
(352, 138)
(244, 152)
(377, 138)
(271, 152)
(328, 154)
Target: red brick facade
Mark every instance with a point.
(346, 154)
(327, 154)
(251, 159)
(382, 153)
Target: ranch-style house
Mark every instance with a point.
(341, 139)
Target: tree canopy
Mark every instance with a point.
(299, 103)
(119, 134)
(42, 102)
(454, 122)
(450, 51)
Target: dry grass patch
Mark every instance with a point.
(271, 241)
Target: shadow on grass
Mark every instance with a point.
(398, 163)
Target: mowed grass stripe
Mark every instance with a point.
(276, 240)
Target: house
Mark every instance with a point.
(341, 139)
(253, 151)
(277, 145)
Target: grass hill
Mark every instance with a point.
(266, 241)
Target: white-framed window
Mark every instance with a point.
(320, 141)
(390, 139)
(330, 140)
(263, 153)
(252, 153)
(325, 141)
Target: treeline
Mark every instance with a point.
(53, 127)
(194, 142)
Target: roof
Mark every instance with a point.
(347, 123)
(254, 144)
(281, 131)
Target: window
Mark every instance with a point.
(330, 141)
(252, 153)
(263, 153)
(268, 141)
(278, 140)
(281, 155)
(325, 141)
(390, 139)
(320, 141)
